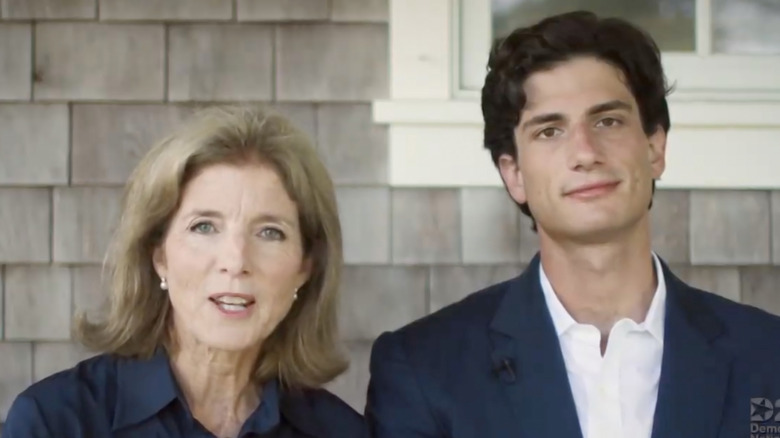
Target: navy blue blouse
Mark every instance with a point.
(106, 396)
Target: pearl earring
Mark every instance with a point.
(163, 283)
(295, 294)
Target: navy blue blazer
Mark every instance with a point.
(490, 366)
(106, 396)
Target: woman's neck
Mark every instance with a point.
(217, 384)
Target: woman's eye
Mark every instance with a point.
(203, 227)
(272, 233)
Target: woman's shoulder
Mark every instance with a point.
(91, 373)
(65, 398)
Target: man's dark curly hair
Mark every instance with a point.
(559, 38)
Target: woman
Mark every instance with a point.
(223, 275)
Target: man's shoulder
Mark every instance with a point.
(326, 403)
(742, 321)
(742, 330)
(334, 415)
(470, 315)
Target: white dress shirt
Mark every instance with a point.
(616, 394)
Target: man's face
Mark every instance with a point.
(584, 164)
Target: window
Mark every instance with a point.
(712, 49)
(670, 22)
(723, 55)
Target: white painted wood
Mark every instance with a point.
(723, 158)
(472, 34)
(449, 112)
(703, 23)
(697, 158)
(725, 73)
(436, 156)
(420, 43)
(472, 45)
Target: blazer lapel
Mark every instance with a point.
(694, 372)
(528, 362)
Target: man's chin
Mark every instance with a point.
(589, 230)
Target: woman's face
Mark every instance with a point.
(233, 257)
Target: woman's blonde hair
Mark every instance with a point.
(303, 350)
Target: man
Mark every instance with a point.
(597, 338)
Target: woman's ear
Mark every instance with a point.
(306, 268)
(159, 263)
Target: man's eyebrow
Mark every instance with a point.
(610, 106)
(541, 119)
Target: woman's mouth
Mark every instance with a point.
(233, 304)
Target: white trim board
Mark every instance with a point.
(697, 158)
(420, 43)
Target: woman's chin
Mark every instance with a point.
(229, 340)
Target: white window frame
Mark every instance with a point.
(724, 138)
(728, 77)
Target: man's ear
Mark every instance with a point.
(657, 152)
(512, 177)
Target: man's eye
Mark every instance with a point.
(548, 133)
(608, 122)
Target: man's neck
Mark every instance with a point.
(601, 284)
